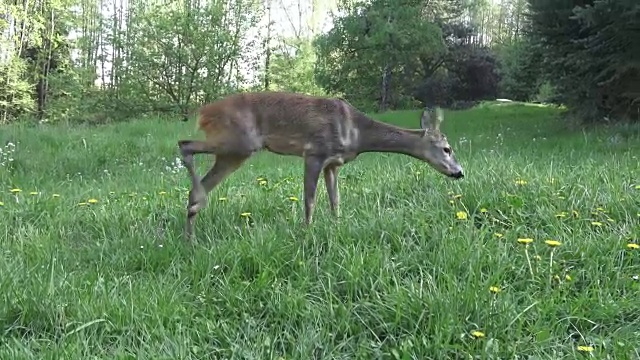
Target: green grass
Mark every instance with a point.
(398, 276)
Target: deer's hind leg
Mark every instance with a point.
(227, 161)
(331, 183)
(223, 167)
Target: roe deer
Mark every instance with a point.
(326, 132)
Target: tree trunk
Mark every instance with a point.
(386, 82)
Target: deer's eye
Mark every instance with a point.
(447, 150)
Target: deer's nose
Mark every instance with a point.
(458, 175)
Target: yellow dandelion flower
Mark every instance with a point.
(596, 223)
(82, 204)
(562, 214)
(637, 187)
(451, 202)
(584, 348)
(498, 235)
(457, 196)
(633, 246)
(245, 214)
(552, 243)
(56, 195)
(477, 334)
(92, 201)
(34, 193)
(293, 198)
(461, 215)
(525, 241)
(263, 182)
(162, 193)
(567, 277)
(16, 190)
(484, 210)
(222, 199)
(600, 209)
(495, 289)
(521, 182)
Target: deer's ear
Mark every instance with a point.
(438, 119)
(425, 119)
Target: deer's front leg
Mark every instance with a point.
(312, 168)
(331, 183)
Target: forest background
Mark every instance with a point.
(114, 60)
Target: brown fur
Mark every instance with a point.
(326, 132)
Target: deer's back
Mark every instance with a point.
(284, 123)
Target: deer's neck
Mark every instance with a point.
(377, 136)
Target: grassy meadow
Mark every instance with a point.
(418, 266)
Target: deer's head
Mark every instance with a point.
(436, 150)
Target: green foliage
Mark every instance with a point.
(15, 96)
(591, 55)
(96, 61)
(398, 276)
(519, 69)
(373, 38)
(180, 57)
(467, 75)
(292, 67)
